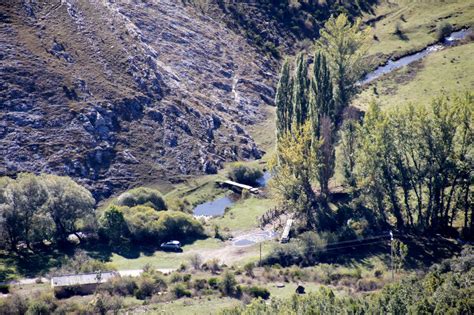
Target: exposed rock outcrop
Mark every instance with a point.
(115, 93)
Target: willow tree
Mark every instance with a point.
(345, 44)
(417, 162)
(68, 205)
(47, 207)
(22, 211)
(283, 100)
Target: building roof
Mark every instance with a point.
(82, 279)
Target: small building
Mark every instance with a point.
(80, 284)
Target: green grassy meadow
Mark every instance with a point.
(243, 215)
(445, 72)
(417, 21)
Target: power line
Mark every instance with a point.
(325, 249)
(358, 239)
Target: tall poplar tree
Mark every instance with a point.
(345, 44)
(323, 118)
(322, 102)
(300, 91)
(283, 100)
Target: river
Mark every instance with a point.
(217, 207)
(392, 65)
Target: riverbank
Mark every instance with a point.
(453, 39)
(403, 27)
(445, 72)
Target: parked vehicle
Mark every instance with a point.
(173, 246)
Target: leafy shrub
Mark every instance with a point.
(258, 292)
(38, 308)
(212, 265)
(146, 288)
(142, 196)
(147, 225)
(180, 204)
(378, 273)
(245, 174)
(176, 277)
(13, 304)
(187, 277)
(306, 250)
(445, 290)
(201, 284)
(311, 245)
(122, 286)
(323, 273)
(196, 261)
(6, 273)
(228, 284)
(297, 273)
(443, 30)
(180, 291)
(367, 284)
(183, 267)
(213, 283)
(80, 263)
(248, 267)
(360, 227)
(284, 254)
(219, 235)
(150, 283)
(105, 303)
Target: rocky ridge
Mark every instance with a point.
(119, 93)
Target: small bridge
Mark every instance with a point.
(285, 236)
(240, 186)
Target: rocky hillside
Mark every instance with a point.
(115, 93)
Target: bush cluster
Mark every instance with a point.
(304, 250)
(80, 262)
(443, 30)
(245, 174)
(446, 289)
(144, 287)
(142, 196)
(145, 224)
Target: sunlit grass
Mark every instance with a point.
(446, 72)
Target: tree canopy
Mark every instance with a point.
(416, 163)
(46, 207)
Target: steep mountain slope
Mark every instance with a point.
(114, 93)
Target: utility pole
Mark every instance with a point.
(391, 253)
